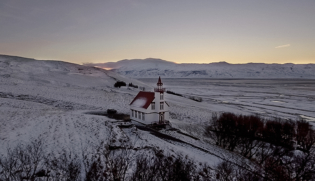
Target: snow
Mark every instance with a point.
(140, 102)
(152, 68)
(50, 100)
(307, 118)
(268, 98)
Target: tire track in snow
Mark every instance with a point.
(64, 105)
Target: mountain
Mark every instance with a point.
(151, 68)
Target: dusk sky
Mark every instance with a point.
(182, 31)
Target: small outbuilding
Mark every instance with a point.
(150, 107)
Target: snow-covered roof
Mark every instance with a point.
(143, 99)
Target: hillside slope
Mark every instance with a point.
(53, 100)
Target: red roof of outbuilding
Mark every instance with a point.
(145, 97)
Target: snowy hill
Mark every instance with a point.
(150, 68)
(56, 73)
(58, 103)
(50, 99)
(53, 100)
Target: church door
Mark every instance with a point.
(161, 120)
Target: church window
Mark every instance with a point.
(162, 105)
(152, 105)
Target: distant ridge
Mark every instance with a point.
(20, 70)
(152, 68)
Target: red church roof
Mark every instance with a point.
(143, 99)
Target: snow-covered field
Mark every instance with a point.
(286, 98)
(49, 100)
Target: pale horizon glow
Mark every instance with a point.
(283, 46)
(178, 31)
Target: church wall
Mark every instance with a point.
(148, 117)
(152, 115)
(167, 116)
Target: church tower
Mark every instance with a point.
(159, 87)
(161, 106)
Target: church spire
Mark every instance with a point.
(159, 86)
(159, 82)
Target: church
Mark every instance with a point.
(150, 107)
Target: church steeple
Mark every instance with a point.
(159, 82)
(159, 86)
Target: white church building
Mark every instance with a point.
(150, 107)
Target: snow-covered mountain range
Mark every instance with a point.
(151, 68)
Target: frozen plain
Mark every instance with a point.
(285, 98)
(49, 100)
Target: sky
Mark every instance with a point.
(182, 31)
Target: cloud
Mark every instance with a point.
(283, 46)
